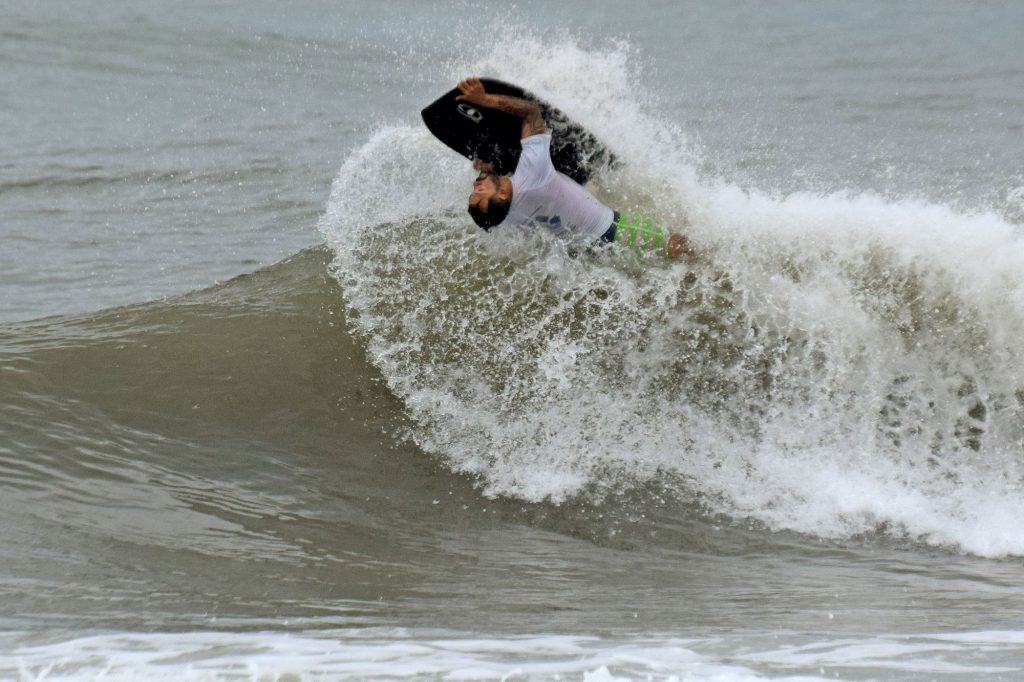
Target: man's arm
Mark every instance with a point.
(473, 92)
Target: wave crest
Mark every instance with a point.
(833, 365)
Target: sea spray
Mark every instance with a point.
(832, 364)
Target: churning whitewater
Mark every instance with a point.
(831, 364)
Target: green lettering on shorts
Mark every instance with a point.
(639, 232)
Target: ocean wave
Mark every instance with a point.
(833, 364)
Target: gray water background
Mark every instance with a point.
(150, 149)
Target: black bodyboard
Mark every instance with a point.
(493, 135)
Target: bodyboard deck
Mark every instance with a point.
(493, 135)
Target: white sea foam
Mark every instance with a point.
(376, 654)
(833, 364)
(381, 653)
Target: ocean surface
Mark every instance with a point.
(273, 409)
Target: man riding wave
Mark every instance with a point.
(538, 195)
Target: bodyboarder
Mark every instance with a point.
(538, 195)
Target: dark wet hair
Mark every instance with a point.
(497, 211)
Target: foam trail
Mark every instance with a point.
(381, 654)
(833, 364)
(387, 653)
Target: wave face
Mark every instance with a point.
(832, 364)
(185, 427)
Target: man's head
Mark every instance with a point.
(490, 200)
